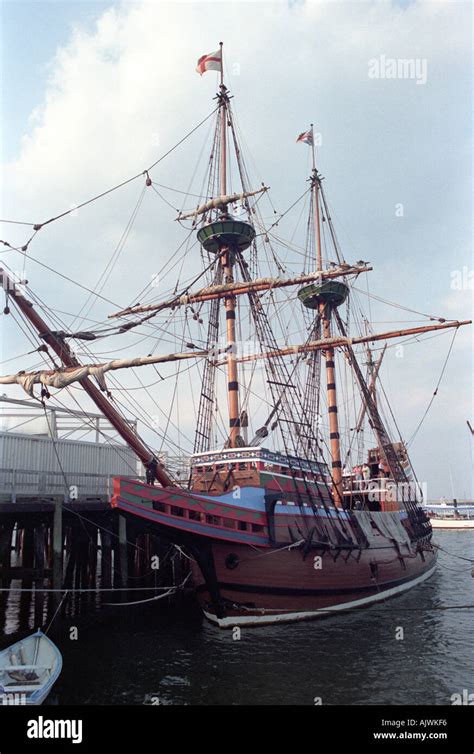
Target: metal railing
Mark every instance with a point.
(15, 483)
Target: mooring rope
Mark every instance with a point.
(56, 612)
(93, 589)
(452, 554)
(171, 590)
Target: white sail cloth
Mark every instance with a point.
(54, 379)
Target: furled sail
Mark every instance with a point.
(221, 202)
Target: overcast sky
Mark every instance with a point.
(94, 92)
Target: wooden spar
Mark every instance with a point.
(220, 202)
(363, 408)
(227, 263)
(334, 437)
(232, 373)
(340, 342)
(63, 377)
(373, 368)
(317, 225)
(329, 353)
(223, 134)
(64, 353)
(221, 45)
(240, 288)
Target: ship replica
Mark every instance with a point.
(278, 521)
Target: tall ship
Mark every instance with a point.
(298, 499)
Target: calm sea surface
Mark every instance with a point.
(144, 654)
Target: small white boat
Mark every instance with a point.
(444, 516)
(28, 670)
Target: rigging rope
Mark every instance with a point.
(38, 226)
(435, 391)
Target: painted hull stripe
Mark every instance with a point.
(190, 526)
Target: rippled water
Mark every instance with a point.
(141, 655)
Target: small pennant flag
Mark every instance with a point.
(306, 137)
(211, 62)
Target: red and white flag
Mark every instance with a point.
(306, 137)
(211, 62)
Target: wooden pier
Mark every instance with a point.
(49, 545)
(58, 530)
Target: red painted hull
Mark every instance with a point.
(282, 586)
(252, 566)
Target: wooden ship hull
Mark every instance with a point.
(264, 559)
(286, 587)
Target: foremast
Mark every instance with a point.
(225, 236)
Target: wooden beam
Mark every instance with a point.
(340, 342)
(48, 377)
(239, 288)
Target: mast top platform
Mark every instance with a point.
(226, 232)
(332, 292)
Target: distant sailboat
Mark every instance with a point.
(452, 515)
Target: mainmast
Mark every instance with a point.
(227, 263)
(324, 297)
(315, 182)
(225, 237)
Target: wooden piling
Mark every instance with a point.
(58, 548)
(6, 534)
(45, 540)
(27, 560)
(39, 564)
(93, 549)
(123, 554)
(105, 559)
(71, 553)
(84, 547)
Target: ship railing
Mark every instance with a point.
(450, 512)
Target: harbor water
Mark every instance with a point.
(413, 649)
